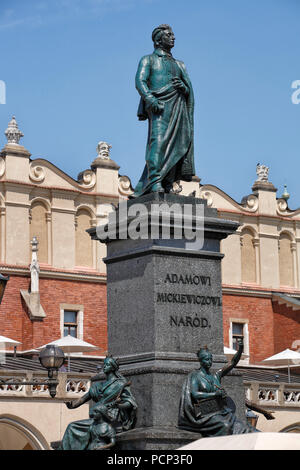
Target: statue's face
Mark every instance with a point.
(107, 366)
(167, 39)
(103, 149)
(206, 360)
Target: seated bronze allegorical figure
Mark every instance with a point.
(114, 411)
(204, 406)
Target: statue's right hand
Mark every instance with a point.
(69, 405)
(157, 107)
(221, 393)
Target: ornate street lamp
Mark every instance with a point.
(3, 282)
(52, 358)
(252, 418)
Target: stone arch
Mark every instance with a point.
(18, 434)
(295, 427)
(42, 201)
(248, 255)
(286, 258)
(83, 243)
(39, 216)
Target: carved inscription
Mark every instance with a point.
(188, 299)
(193, 322)
(196, 280)
(191, 279)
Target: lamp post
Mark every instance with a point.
(51, 357)
(252, 418)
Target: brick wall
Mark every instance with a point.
(259, 312)
(286, 326)
(15, 322)
(272, 327)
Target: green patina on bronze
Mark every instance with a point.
(167, 101)
(204, 405)
(114, 410)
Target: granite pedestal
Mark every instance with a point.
(164, 300)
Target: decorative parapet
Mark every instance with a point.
(87, 179)
(77, 386)
(275, 395)
(70, 385)
(207, 195)
(268, 395)
(250, 203)
(36, 173)
(282, 207)
(125, 188)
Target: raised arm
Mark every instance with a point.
(234, 360)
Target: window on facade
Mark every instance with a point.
(237, 332)
(248, 257)
(70, 323)
(286, 272)
(84, 246)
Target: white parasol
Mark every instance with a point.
(4, 342)
(69, 344)
(284, 358)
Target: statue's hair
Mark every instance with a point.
(157, 33)
(203, 351)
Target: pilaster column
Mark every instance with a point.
(257, 259)
(3, 233)
(295, 271)
(49, 234)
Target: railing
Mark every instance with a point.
(273, 394)
(70, 386)
(73, 386)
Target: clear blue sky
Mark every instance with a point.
(69, 68)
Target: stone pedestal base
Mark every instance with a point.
(155, 438)
(164, 299)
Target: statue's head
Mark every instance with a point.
(103, 149)
(110, 364)
(205, 357)
(163, 36)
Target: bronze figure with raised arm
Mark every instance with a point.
(204, 403)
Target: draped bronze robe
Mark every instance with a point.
(216, 423)
(170, 145)
(78, 433)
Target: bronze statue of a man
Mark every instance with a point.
(167, 101)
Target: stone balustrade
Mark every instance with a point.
(71, 385)
(273, 394)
